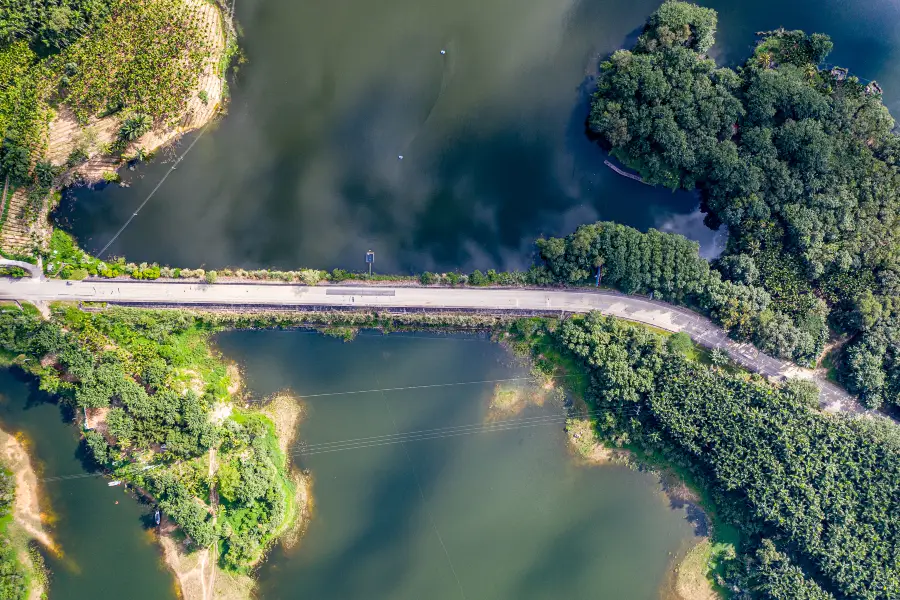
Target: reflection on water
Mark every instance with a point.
(305, 170)
(499, 514)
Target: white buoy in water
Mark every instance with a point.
(400, 157)
(443, 52)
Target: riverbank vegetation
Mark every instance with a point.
(21, 567)
(14, 577)
(669, 267)
(87, 84)
(814, 495)
(161, 418)
(66, 260)
(799, 162)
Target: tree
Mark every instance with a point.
(211, 277)
(15, 161)
(718, 357)
(680, 23)
(680, 343)
(7, 491)
(803, 169)
(134, 127)
(739, 268)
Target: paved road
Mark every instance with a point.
(642, 310)
(35, 270)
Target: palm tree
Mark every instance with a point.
(134, 127)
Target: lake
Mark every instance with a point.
(105, 535)
(420, 490)
(304, 170)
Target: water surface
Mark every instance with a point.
(500, 514)
(108, 550)
(304, 171)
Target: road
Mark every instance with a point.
(494, 300)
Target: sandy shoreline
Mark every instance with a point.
(286, 412)
(196, 573)
(28, 519)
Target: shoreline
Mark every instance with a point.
(196, 573)
(28, 520)
(687, 574)
(286, 412)
(64, 133)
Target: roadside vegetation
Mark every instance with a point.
(161, 418)
(813, 495)
(799, 162)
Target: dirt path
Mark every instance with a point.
(196, 572)
(27, 510)
(190, 569)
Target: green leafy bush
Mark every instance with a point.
(801, 164)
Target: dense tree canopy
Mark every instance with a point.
(670, 267)
(156, 376)
(49, 25)
(799, 162)
(817, 495)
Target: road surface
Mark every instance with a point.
(494, 300)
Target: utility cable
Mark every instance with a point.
(422, 387)
(88, 475)
(440, 431)
(462, 430)
(149, 196)
(415, 472)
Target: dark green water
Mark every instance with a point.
(500, 514)
(505, 513)
(108, 552)
(304, 169)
